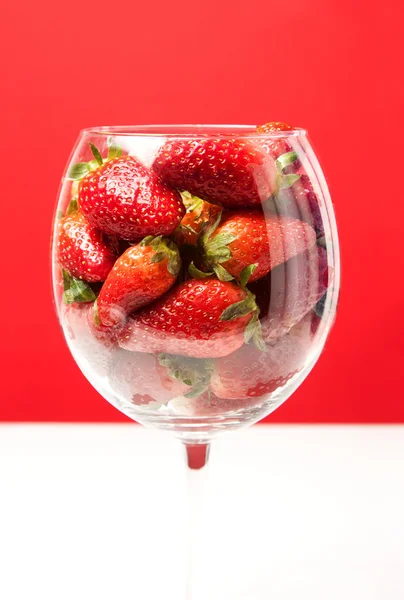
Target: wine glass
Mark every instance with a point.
(195, 272)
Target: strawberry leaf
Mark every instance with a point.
(76, 290)
(288, 180)
(194, 372)
(164, 248)
(66, 279)
(78, 170)
(73, 207)
(220, 255)
(197, 390)
(147, 240)
(191, 203)
(114, 151)
(286, 159)
(196, 273)
(96, 154)
(222, 274)
(209, 229)
(95, 314)
(321, 242)
(239, 309)
(158, 257)
(253, 332)
(220, 241)
(174, 263)
(246, 274)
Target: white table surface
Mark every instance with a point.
(99, 512)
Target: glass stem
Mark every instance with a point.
(197, 457)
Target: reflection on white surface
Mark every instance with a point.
(98, 512)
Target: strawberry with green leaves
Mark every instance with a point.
(140, 275)
(83, 251)
(202, 319)
(250, 242)
(199, 212)
(124, 198)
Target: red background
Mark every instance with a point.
(334, 67)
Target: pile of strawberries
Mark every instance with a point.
(198, 276)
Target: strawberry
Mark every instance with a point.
(249, 373)
(83, 252)
(227, 171)
(274, 127)
(140, 275)
(251, 240)
(198, 214)
(124, 198)
(290, 291)
(197, 318)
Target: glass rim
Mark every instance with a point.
(188, 131)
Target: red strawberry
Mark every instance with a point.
(198, 318)
(126, 199)
(273, 127)
(250, 373)
(198, 213)
(91, 344)
(290, 291)
(250, 238)
(83, 251)
(140, 275)
(227, 171)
